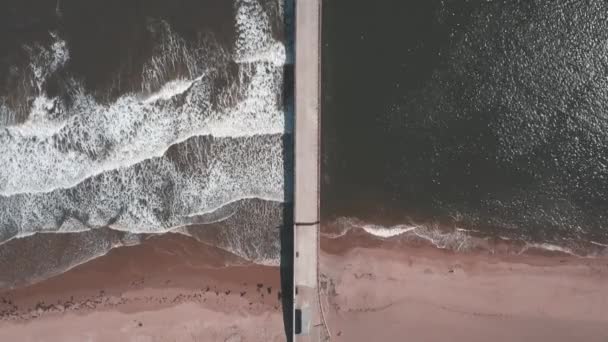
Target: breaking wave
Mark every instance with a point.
(248, 228)
(60, 146)
(459, 239)
(156, 194)
(202, 144)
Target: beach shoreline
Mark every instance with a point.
(391, 289)
(170, 287)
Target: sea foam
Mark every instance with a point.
(150, 161)
(43, 154)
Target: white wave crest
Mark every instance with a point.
(254, 36)
(157, 194)
(45, 61)
(387, 232)
(457, 239)
(91, 138)
(27, 81)
(171, 89)
(44, 119)
(174, 57)
(598, 244)
(547, 247)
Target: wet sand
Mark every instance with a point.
(170, 288)
(390, 290)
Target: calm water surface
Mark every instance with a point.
(491, 115)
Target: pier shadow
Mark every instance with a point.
(287, 229)
(287, 271)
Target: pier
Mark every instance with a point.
(309, 322)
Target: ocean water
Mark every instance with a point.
(481, 116)
(121, 119)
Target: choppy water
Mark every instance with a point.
(145, 119)
(483, 115)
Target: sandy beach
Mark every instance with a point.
(173, 288)
(387, 290)
(170, 288)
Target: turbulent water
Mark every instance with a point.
(489, 116)
(185, 127)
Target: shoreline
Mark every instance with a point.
(459, 240)
(391, 289)
(134, 292)
(172, 287)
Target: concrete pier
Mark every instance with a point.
(308, 315)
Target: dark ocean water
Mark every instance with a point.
(125, 118)
(485, 115)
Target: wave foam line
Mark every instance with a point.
(254, 41)
(459, 239)
(548, 247)
(386, 232)
(194, 177)
(102, 138)
(60, 147)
